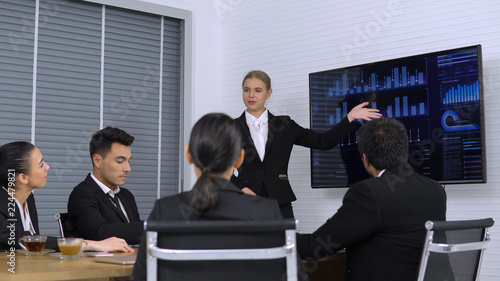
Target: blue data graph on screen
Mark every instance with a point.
(367, 79)
(462, 94)
(437, 96)
(458, 78)
(405, 106)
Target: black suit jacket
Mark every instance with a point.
(95, 217)
(7, 207)
(273, 170)
(381, 225)
(232, 205)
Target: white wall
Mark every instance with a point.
(205, 96)
(289, 39)
(202, 94)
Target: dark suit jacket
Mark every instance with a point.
(95, 217)
(232, 205)
(282, 135)
(381, 225)
(6, 206)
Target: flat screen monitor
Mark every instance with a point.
(438, 97)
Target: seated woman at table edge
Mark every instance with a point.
(215, 150)
(22, 170)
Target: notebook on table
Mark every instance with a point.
(122, 259)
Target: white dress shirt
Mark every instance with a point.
(258, 130)
(25, 215)
(381, 173)
(111, 193)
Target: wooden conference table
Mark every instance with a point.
(52, 268)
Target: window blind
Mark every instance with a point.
(71, 91)
(16, 69)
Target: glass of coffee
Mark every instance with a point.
(33, 244)
(71, 248)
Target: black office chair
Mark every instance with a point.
(65, 227)
(454, 250)
(221, 250)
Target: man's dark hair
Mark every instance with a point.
(384, 141)
(102, 140)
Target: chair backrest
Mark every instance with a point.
(65, 227)
(221, 250)
(453, 250)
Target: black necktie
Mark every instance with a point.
(117, 205)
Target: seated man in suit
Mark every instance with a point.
(381, 220)
(98, 207)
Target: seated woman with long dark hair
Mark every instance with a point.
(215, 149)
(22, 170)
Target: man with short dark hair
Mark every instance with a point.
(98, 207)
(381, 220)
